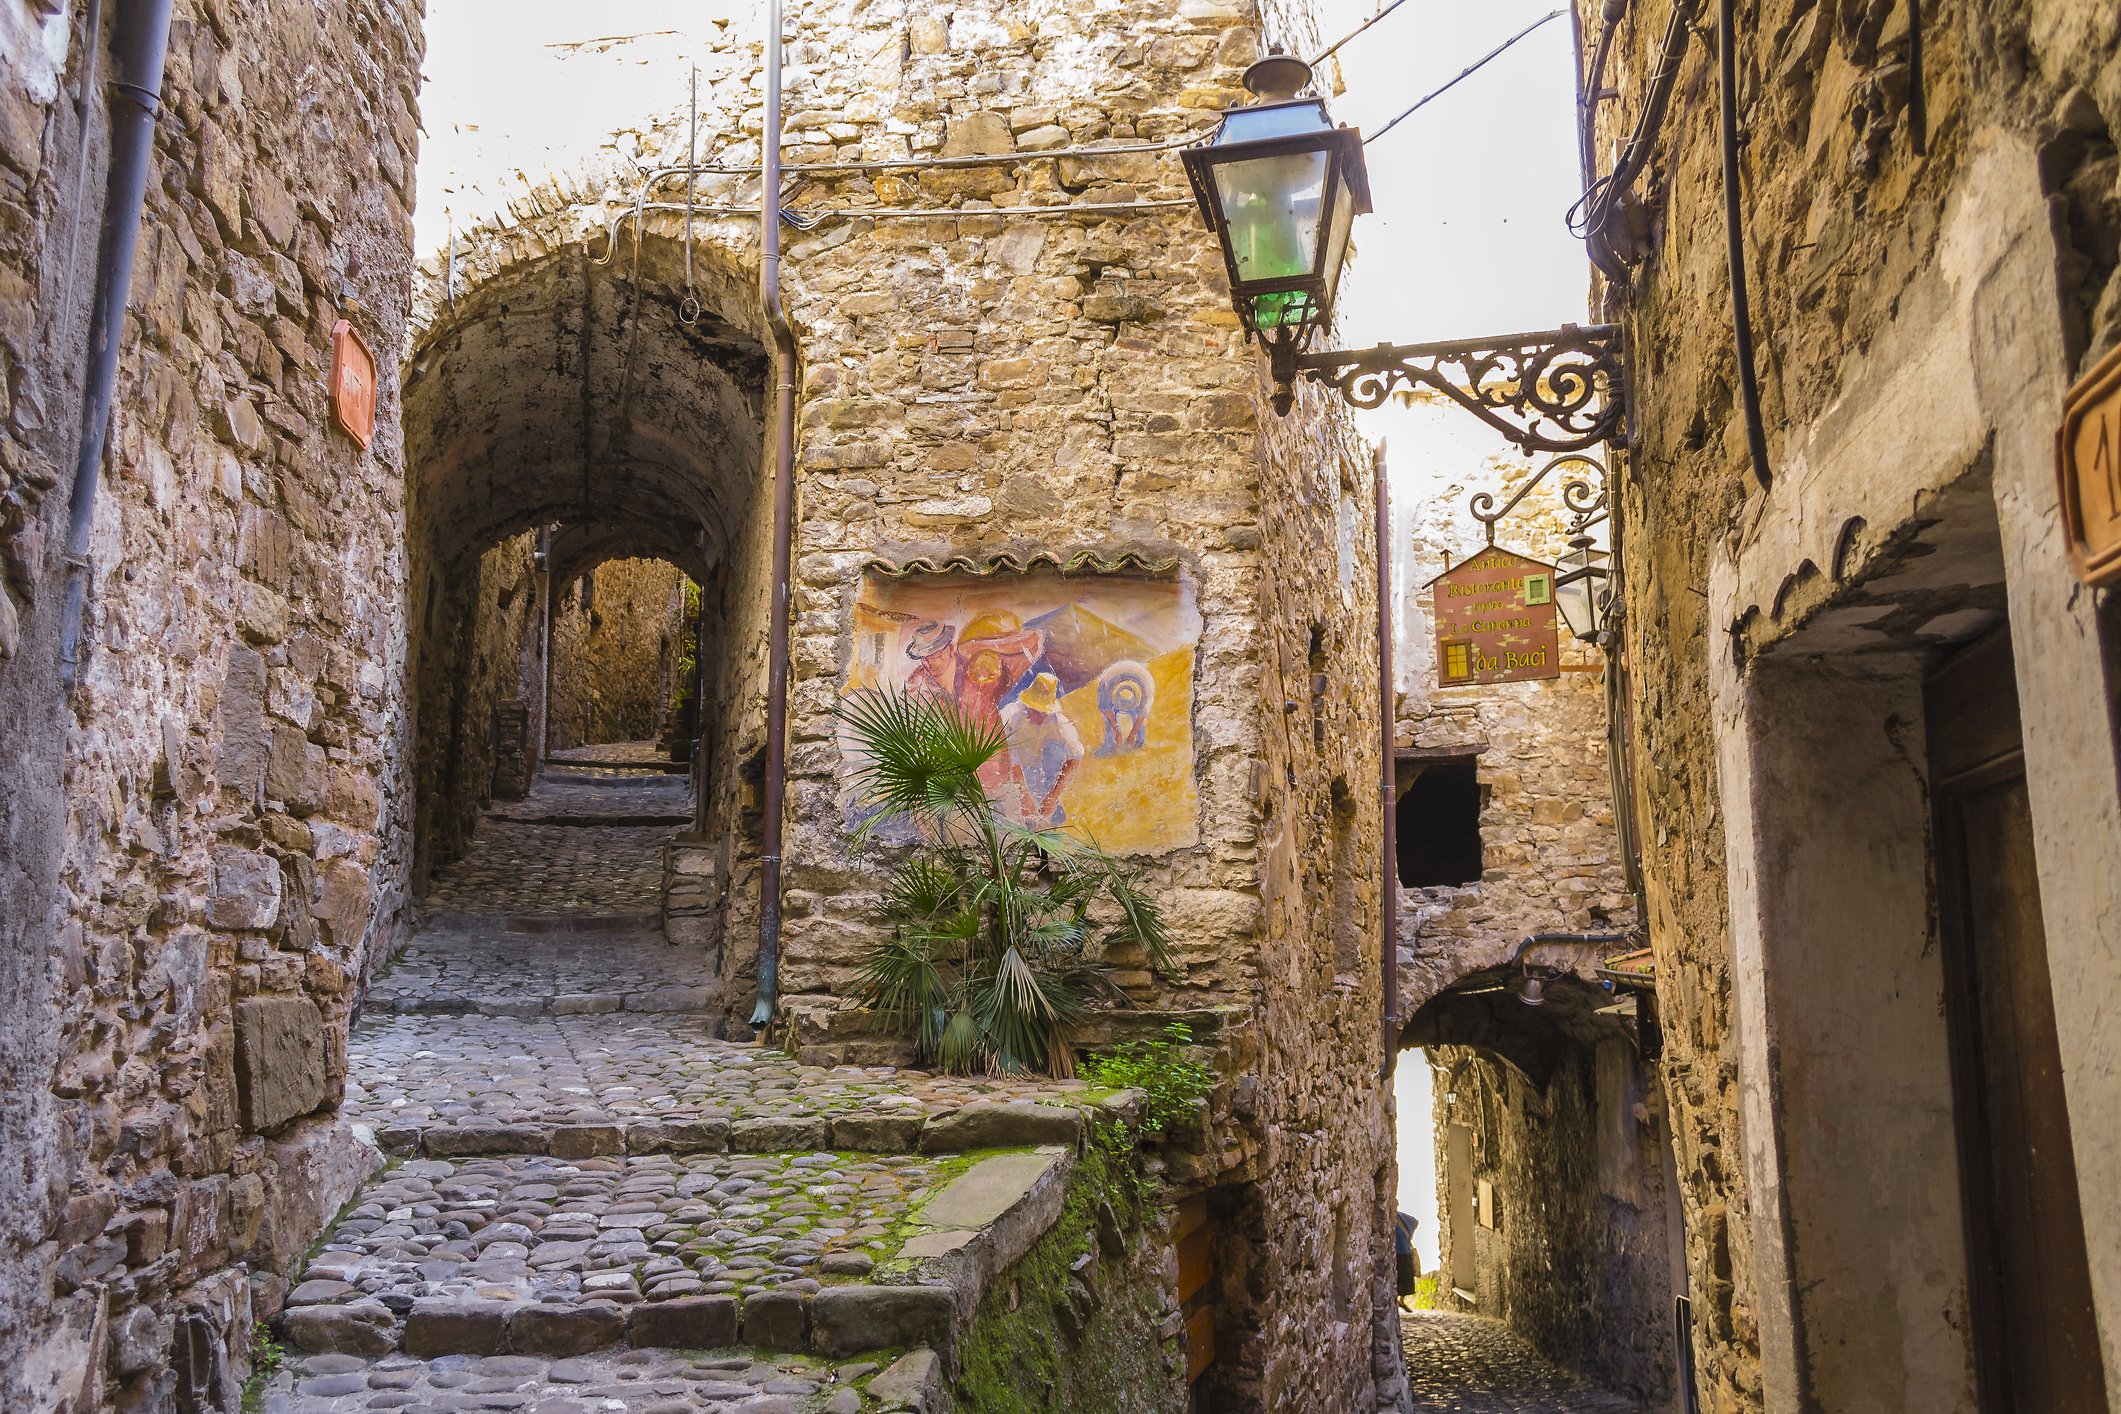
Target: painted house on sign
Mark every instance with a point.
(1495, 620)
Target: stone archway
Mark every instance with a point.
(571, 400)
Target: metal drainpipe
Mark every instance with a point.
(1387, 774)
(783, 523)
(139, 40)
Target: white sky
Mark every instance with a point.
(1467, 238)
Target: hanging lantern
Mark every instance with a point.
(1280, 186)
(1580, 588)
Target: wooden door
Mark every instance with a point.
(2036, 1344)
(1458, 1178)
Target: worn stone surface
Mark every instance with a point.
(625, 1382)
(200, 820)
(279, 1059)
(1465, 1364)
(1935, 275)
(615, 640)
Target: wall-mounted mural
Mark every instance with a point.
(1090, 675)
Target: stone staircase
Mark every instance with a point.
(593, 1204)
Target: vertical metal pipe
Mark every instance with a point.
(1387, 773)
(783, 526)
(138, 44)
(1734, 240)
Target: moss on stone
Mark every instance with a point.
(1016, 1357)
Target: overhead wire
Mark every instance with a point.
(1330, 50)
(1471, 69)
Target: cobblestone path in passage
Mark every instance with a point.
(1464, 1364)
(593, 1206)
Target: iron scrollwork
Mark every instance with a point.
(1558, 391)
(1584, 501)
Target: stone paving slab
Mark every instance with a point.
(616, 1230)
(584, 797)
(645, 1082)
(627, 1382)
(514, 868)
(480, 966)
(1458, 1363)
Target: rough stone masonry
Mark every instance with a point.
(211, 843)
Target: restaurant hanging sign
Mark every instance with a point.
(1495, 620)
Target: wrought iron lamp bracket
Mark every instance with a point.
(1560, 390)
(1584, 500)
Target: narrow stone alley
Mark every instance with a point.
(584, 1182)
(1464, 1364)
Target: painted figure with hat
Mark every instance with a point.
(1044, 749)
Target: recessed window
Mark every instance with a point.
(1439, 823)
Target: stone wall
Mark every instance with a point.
(1570, 1248)
(615, 645)
(202, 838)
(481, 651)
(1551, 852)
(1926, 279)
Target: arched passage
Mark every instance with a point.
(565, 409)
(1552, 1173)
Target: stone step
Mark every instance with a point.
(648, 1083)
(832, 1254)
(463, 964)
(731, 1381)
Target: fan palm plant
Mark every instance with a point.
(998, 931)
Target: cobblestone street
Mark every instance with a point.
(1465, 1364)
(587, 1182)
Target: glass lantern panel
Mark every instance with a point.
(1272, 207)
(1337, 237)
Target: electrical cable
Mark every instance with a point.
(1475, 67)
(1334, 48)
(1734, 240)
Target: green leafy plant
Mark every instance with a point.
(267, 1355)
(998, 931)
(1163, 1069)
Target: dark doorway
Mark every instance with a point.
(1439, 823)
(2035, 1340)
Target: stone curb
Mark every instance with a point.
(836, 1321)
(982, 1124)
(662, 1000)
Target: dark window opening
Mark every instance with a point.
(1439, 824)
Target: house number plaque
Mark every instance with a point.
(353, 384)
(2088, 457)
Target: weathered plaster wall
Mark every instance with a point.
(613, 653)
(1919, 316)
(1575, 1258)
(203, 838)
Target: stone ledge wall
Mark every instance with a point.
(204, 840)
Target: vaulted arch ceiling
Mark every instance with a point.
(558, 389)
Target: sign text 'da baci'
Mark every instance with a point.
(1495, 620)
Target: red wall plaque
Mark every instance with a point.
(1495, 620)
(2088, 458)
(353, 383)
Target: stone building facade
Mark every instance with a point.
(1821, 641)
(298, 644)
(1550, 1165)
